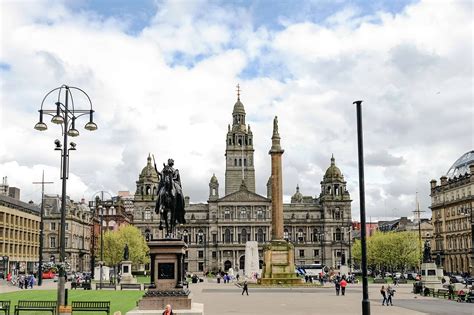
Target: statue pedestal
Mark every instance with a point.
(167, 273)
(429, 276)
(126, 273)
(279, 265)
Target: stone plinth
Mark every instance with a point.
(251, 258)
(167, 271)
(105, 273)
(126, 276)
(429, 276)
(279, 266)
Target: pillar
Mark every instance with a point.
(277, 188)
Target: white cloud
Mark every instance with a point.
(169, 90)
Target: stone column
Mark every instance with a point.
(277, 188)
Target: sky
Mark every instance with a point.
(162, 78)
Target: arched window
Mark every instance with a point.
(286, 234)
(337, 214)
(227, 236)
(300, 236)
(243, 213)
(200, 236)
(260, 236)
(147, 214)
(243, 236)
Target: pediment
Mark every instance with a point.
(243, 195)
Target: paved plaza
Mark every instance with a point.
(219, 299)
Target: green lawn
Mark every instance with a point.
(119, 300)
(143, 279)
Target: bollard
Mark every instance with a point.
(65, 296)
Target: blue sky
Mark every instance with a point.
(155, 69)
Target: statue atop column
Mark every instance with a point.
(427, 252)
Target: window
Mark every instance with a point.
(260, 236)
(52, 242)
(53, 226)
(186, 255)
(301, 252)
(185, 236)
(67, 226)
(337, 214)
(286, 234)
(227, 214)
(200, 237)
(147, 214)
(316, 252)
(214, 238)
(227, 236)
(243, 236)
(315, 235)
(300, 236)
(201, 266)
(259, 214)
(200, 254)
(214, 255)
(337, 235)
(66, 241)
(243, 213)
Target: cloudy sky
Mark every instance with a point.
(162, 77)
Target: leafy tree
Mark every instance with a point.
(389, 251)
(114, 244)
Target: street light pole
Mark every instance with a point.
(66, 117)
(41, 236)
(360, 145)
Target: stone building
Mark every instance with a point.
(78, 232)
(451, 206)
(216, 231)
(19, 235)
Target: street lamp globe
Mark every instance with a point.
(41, 126)
(57, 119)
(91, 126)
(73, 132)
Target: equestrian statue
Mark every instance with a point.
(170, 201)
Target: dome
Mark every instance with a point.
(149, 170)
(461, 166)
(238, 107)
(297, 197)
(333, 171)
(214, 179)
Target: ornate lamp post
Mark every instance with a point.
(66, 117)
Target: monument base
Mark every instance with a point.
(126, 273)
(429, 276)
(196, 309)
(279, 266)
(158, 299)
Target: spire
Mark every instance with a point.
(148, 159)
(297, 188)
(238, 92)
(333, 161)
(276, 148)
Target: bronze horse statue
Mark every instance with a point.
(170, 201)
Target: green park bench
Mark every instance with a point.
(91, 306)
(133, 286)
(49, 306)
(380, 280)
(5, 307)
(443, 292)
(105, 286)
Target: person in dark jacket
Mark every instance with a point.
(338, 286)
(245, 288)
(383, 292)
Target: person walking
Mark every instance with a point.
(343, 285)
(338, 286)
(383, 292)
(245, 288)
(390, 294)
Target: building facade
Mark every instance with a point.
(216, 232)
(19, 235)
(78, 232)
(452, 204)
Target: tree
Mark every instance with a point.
(114, 244)
(389, 251)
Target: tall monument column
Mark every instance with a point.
(277, 190)
(279, 254)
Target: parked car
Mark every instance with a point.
(456, 279)
(48, 275)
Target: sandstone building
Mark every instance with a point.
(452, 204)
(216, 231)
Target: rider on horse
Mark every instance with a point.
(170, 197)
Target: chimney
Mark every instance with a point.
(444, 180)
(433, 183)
